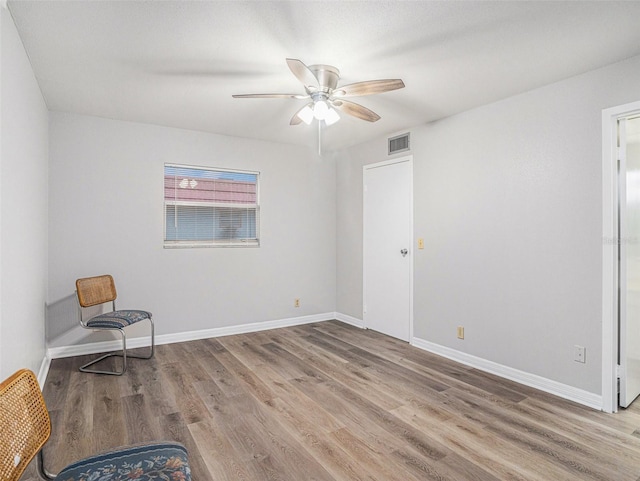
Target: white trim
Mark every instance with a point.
(543, 384)
(412, 250)
(44, 370)
(610, 252)
(546, 385)
(105, 346)
(353, 321)
(208, 167)
(195, 203)
(384, 163)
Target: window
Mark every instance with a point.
(210, 207)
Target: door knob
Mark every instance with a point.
(404, 252)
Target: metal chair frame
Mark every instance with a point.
(112, 299)
(42, 471)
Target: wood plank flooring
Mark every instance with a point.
(330, 402)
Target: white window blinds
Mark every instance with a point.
(210, 207)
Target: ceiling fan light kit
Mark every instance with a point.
(321, 87)
(306, 114)
(330, 116)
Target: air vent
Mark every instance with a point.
(399, 143)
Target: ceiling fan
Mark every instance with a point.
(321, 87)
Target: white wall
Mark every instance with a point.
(23, 208)
(106, 216)
(508, 199)
(349, 222)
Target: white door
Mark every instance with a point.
(629, 238)
(388, 218)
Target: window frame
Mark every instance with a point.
(192, 243)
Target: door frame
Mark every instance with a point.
(610, 331)
(397, 160)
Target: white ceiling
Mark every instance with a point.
(177, 63)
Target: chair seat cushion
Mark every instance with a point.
(156, 461)
(117, 319)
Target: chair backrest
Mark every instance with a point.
(24, 423)
(95, 290)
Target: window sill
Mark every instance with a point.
(192, 245)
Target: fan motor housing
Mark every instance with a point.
(327, 76)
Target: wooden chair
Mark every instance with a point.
(26, 427)
(94, 291)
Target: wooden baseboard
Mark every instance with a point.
(44, 370)
(353, 321)
(106, 346)
(543, 384)
(547, 385)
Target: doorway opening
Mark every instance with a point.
(620, 256)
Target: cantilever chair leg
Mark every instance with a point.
(122, 354)
(42, 471)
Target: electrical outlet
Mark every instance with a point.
(296, 303)
(460, 332)
(579, 354)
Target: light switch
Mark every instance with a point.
(421, 243)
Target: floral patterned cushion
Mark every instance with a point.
(118, 319)
(157, 461)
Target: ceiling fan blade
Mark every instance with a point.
(302, 73)
(356, 110)
(270, 96)
(368, 87)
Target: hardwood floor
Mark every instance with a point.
(331, 402)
